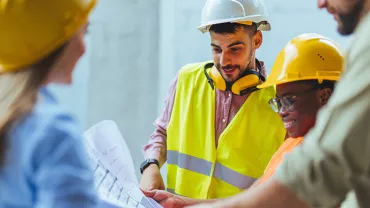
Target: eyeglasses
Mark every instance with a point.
(288, 101)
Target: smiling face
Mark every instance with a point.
(347, 13)
(233, 51)
(306, 99)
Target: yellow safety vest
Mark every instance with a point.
(196, 168)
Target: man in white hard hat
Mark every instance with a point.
(212, 132)
(334, 160)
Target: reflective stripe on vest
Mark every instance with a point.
(205, 167)
(189, 162)
(232, 177)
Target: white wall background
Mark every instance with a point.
(135, 48)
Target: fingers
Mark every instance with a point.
(157, 195)
(167, 203)
(150, 193)
(160, 195)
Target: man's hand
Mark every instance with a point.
(151, 179)
(167, 199)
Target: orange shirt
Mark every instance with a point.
(288, 145)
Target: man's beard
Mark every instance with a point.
(236, 66)
(348, 22)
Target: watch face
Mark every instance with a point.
(146, 163)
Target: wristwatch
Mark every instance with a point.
(146, 163)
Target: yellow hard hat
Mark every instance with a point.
(32, 29)
(307, 57)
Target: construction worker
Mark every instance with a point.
(213, 129)
(333, 163)
(318, 62)
(42, 159)
(298, 98)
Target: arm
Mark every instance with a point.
(60, 168)
(157, 146)
(260, 197)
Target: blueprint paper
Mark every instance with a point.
(111, 148)
(106, 204)
(114, 172)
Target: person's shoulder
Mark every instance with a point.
(357, 63)
(363, 27)
(44, 132)
(360, 44)
(48, 121)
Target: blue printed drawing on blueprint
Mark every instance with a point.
(114, 172)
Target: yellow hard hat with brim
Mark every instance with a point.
(32, 29)
(307, 57)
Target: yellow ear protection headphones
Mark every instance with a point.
(244, 85)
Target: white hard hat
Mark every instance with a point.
(237, 11)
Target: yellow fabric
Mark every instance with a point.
(31, 29)
(246, 145)
(305, 57)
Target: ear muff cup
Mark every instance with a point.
(217, 79)
(247, 83)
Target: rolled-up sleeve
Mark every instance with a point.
(335, 156)
(157, 145)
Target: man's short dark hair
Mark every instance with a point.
(232, 28)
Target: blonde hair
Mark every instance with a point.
(18, 95)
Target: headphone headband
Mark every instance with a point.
(209, 79)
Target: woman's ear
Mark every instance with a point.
(324, 96)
